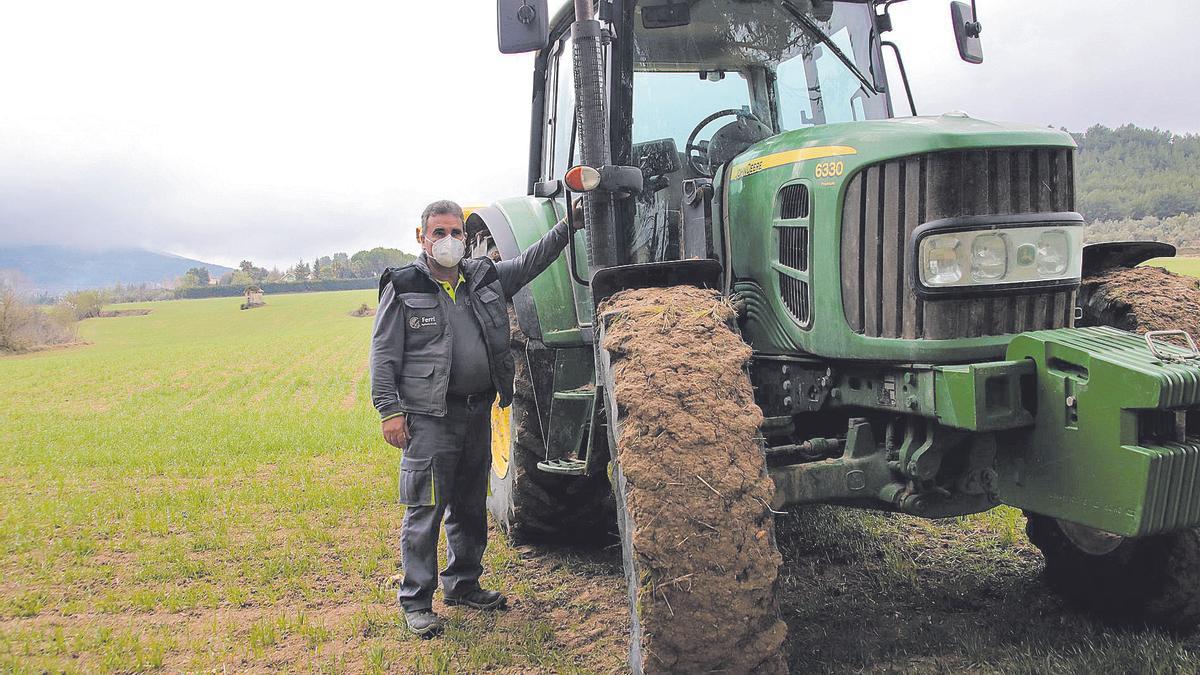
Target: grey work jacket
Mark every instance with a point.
(410, 349)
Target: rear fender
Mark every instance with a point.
(1104, 255)
(548, 309)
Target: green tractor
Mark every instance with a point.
(908, 289)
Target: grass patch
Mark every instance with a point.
(203, 488)
(1188, 266)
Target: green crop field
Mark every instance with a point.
(205, 489)
(1188, 266)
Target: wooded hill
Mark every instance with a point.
(1136, 183)
(1129, 172)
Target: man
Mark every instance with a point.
(439, 357)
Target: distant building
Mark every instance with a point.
(254, 297)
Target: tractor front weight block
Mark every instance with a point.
(1111, 448)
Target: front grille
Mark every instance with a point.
(793, 247)
(793, 202)
(795, 297)
(886, 202)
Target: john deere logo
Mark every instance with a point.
(1026, 254)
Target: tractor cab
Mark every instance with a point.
(712, 82)
(692, 85)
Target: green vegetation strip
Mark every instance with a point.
(1188, 266)
(204, 487)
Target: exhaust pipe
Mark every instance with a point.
(591, 115)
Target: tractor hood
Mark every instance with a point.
(850, 293)
(861, 143)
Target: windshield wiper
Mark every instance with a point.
(816, 31)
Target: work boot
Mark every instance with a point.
(480, 599)
(423, 623)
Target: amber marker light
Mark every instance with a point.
(582, 178)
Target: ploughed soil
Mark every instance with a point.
(1141, 299)
(697, 492)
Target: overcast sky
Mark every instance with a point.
(276, 130)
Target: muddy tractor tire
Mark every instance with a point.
(1153, 580)
(528, 504)
(1156, 579)
(697, 532)
(1139, 299)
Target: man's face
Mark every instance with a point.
(438, 227)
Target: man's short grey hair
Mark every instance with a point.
(442, 207)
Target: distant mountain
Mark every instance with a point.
(59, 269)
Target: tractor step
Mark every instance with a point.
(564, 467)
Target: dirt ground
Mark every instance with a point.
(866, 592)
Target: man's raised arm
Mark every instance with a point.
(515, 273)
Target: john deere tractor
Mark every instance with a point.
(908, 287)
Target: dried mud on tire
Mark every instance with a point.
(699, 538)
(1140, 299)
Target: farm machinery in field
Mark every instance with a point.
(908, 287)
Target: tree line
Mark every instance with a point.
(339, 266)
(1182, 230)
(1131, 174)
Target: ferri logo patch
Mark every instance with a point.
(415, 322)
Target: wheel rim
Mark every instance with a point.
(1089, 539)
(501, 439)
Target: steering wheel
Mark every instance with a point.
(699, 161)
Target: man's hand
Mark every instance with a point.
(577, 214)
(395, 431)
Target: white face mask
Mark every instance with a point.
(448, 251)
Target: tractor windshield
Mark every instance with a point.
(711, 76)
(790, 64)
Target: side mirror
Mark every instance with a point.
(670, 15)
(522, 25)
(657, 158)
(966, 32)
(822, 10)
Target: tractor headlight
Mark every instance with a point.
(999, 256)
(939, 260)
(1053, 253)
(989, 258)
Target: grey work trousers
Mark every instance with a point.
(444, 472)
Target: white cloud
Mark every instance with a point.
(1071, 64)
(276, 130)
